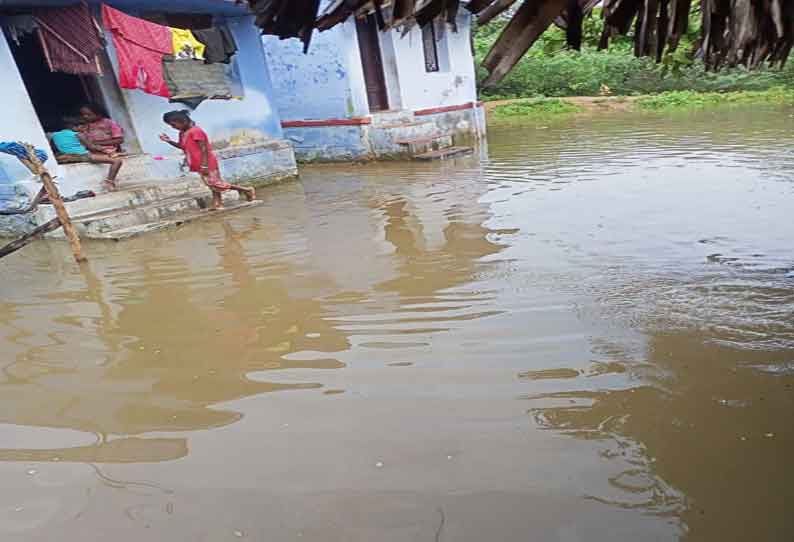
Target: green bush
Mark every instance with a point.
(549, 69)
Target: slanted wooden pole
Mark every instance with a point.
(17, 244)
(57, 202)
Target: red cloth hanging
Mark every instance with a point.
(70, 39)
(140, 47)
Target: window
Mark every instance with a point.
(429, 46)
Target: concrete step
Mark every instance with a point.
(130, 196)
(138, 208)
(421, 145)
(176, 221)
(384, 138)
(443, 154)
(135, 168)
(96, 225)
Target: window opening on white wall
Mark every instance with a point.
(430, 49)
(436, 50)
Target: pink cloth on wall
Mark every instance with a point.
(140, 47)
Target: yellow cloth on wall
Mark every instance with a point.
(186, 46)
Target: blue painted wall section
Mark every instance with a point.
(335, 143)
(322, 84)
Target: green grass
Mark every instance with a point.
(549, 69)
(534, 108)
(688, 99)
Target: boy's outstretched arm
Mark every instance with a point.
(165, 138)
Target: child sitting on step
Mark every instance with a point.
(71, 147)
(200, 156)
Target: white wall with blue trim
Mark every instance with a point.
(454, 84)
(328, 82)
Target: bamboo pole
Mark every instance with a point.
(57, 202)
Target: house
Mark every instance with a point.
(361, 93)
(245, 130)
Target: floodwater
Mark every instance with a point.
(588, 336)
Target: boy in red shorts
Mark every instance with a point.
(200, 157)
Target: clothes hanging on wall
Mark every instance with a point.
(193, 81)
(140, 48)
(219, 42)
(186, 46)
(70, 39)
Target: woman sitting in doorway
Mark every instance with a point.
(72, 146)
(99, 130)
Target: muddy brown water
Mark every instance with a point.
(587, 336)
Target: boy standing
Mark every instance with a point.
(200, 157)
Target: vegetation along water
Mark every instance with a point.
(550, 69)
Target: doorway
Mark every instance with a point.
(53, 94)
(372, 63)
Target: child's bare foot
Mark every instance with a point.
(250, 193)
(110, 184)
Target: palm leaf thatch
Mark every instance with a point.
(733, 32)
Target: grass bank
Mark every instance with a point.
(535, 108)
(687, 99)
(524, 108)
(550, 70)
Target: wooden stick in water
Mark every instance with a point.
(15, 245)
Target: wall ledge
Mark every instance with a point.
(355, 121)
(447, 109)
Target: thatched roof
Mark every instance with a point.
(747, 32)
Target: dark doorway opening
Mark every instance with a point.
(372, 62)
(53, 94)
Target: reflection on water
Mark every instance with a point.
(587, 336)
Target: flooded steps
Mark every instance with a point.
(176, 221)
(421, 145)
(96, 225)
(408, 140)
(129, 195)
(134, 210)
(444, 154)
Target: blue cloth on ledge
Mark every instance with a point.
(18, 150)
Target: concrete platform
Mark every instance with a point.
(421, 145)
(175, 222)
(140, 209)
(444, 154)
